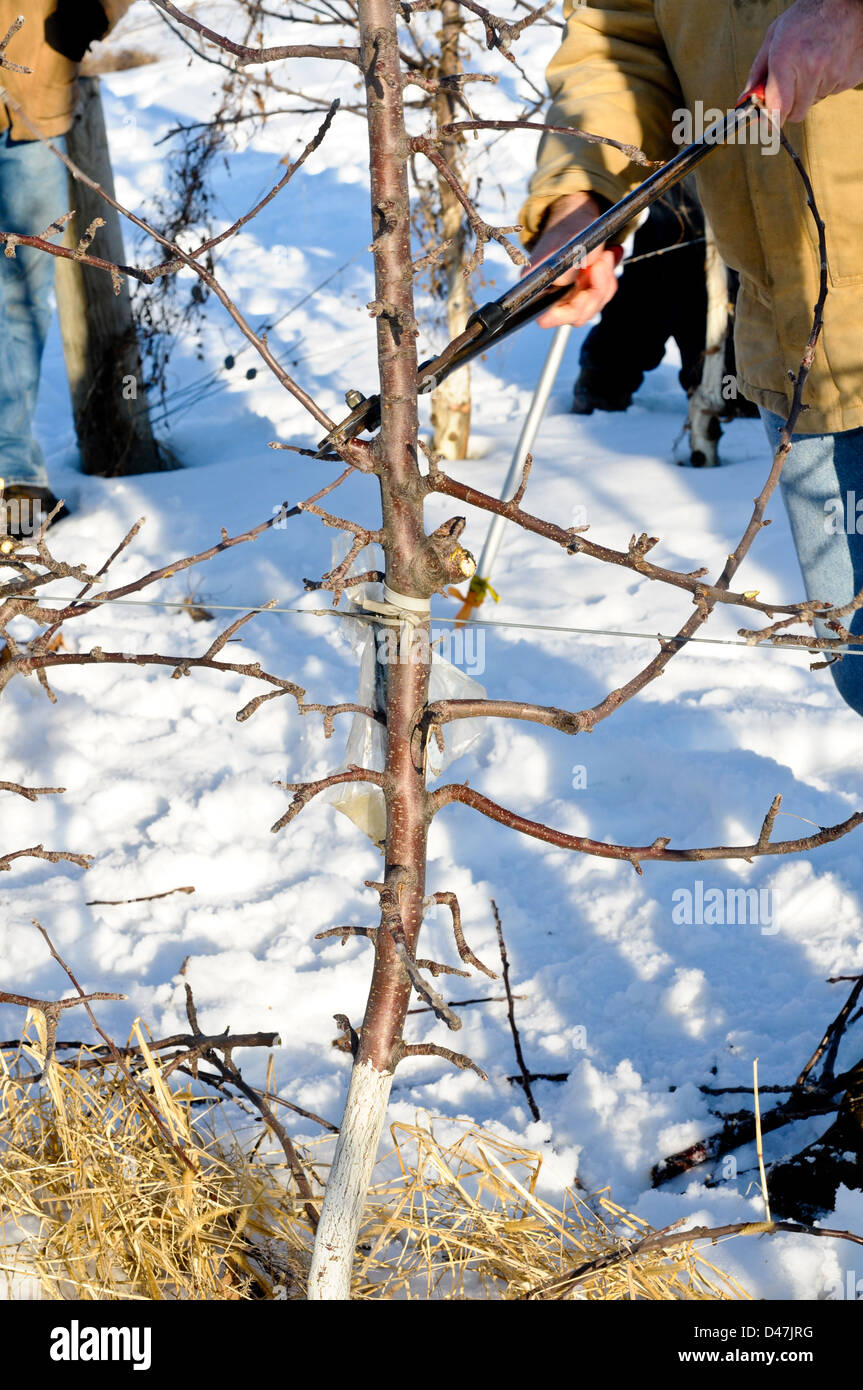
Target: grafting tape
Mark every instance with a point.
(420, 606)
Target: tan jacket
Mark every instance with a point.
(623, 70)
(48, 95)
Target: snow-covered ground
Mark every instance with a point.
(165, 788)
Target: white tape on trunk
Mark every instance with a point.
(420, 606)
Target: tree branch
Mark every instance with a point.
(246, 56)
(632, 152)
(634, 854)
(303, 792)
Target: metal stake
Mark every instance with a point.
(529, 431)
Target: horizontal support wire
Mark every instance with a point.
(621, 633)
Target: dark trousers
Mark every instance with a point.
(657, 299)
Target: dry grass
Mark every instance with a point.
(462, 1220)
(99, 1201)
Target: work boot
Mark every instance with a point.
(24, 508)
(593, 392)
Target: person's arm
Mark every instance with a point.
(611, 76)
(811, 51)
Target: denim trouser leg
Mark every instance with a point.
(821, 482)
(32, 194)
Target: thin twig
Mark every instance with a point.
(31, 793)
(122, 902)
(177, 1148)
(519, 1055)
(632, 152)
(229, 1072)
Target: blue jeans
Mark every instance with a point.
(821, 482)
(33, 192)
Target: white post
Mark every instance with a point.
(706, 403)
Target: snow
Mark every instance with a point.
(165, 788)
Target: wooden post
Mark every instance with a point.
(451, 403)
(100, 343)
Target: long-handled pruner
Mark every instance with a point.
(537, 291)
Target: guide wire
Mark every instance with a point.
(846, 649)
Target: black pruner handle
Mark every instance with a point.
(499, 321)
(487, 326)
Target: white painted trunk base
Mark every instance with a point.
(345, 1197)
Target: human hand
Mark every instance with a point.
(811, 51)
(594, 281)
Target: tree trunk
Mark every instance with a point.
(99, 339)
(402, 491)
(450, 408)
